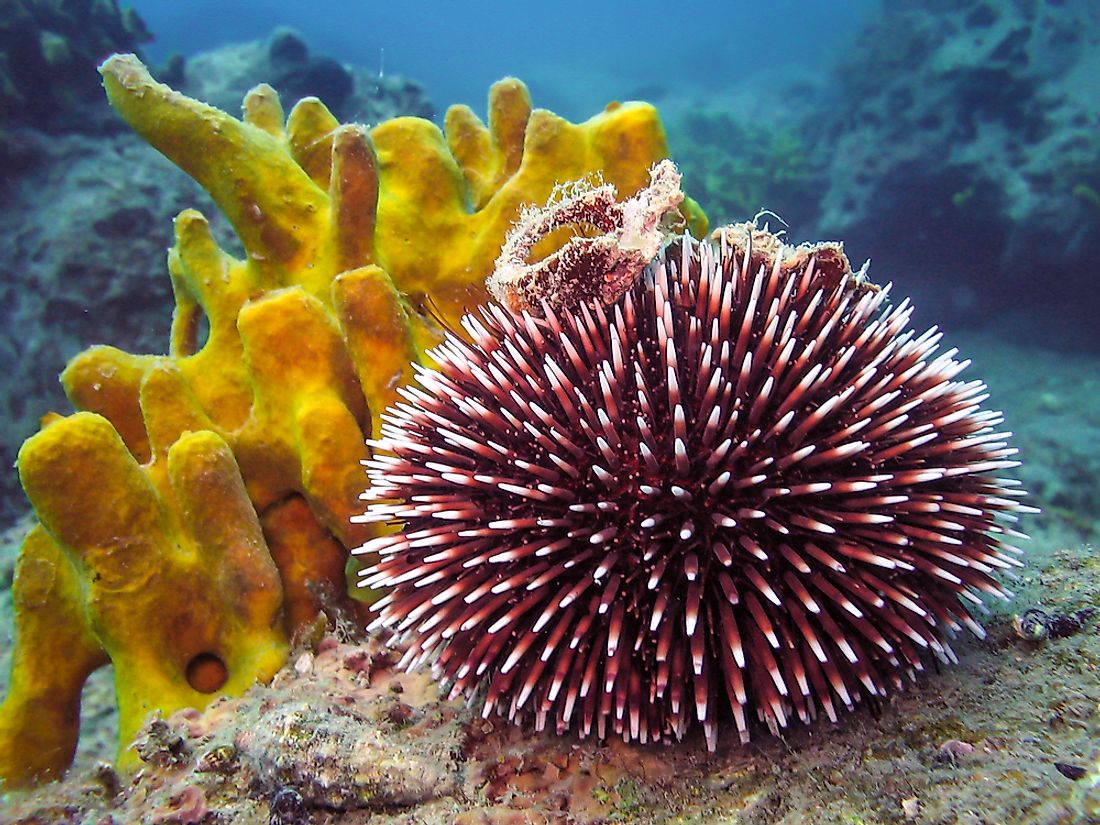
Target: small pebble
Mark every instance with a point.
(910, 807)
(287, 808)
(1070, 771)
(952, 749)
(399, 714)
(303, 665)
(108, 779)
(1032, 626)
(359, 662)
(1049, 402)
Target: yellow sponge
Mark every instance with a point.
(195, 513)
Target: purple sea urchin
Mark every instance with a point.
(743, 483)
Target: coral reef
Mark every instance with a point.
(358, 245)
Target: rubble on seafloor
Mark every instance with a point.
(342, 737)
(341, 731)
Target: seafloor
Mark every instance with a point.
(1009, 735)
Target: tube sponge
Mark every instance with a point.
(165, 574)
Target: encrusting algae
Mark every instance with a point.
(194, 512)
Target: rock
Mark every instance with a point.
(48, 53)
(962, 157)
(341, 760)
(223, 76)
(287, 49)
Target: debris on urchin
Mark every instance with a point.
(743, 488)
(585, 268)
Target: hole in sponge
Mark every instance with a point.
(207, 673)
(190, 326)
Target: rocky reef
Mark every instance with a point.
(741, 166)
(48, 53)
(956, 144)
(974, 126)
(352, 93)
(340, 736)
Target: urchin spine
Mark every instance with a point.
(743, 481)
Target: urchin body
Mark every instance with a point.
(742, 489)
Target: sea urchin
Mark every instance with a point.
(741, 484)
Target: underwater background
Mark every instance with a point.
(954, 144)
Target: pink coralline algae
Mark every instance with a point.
(734, 486)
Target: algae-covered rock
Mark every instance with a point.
(49, 51)
(340, 736)
(962, 150)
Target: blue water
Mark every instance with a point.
(605, 51)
